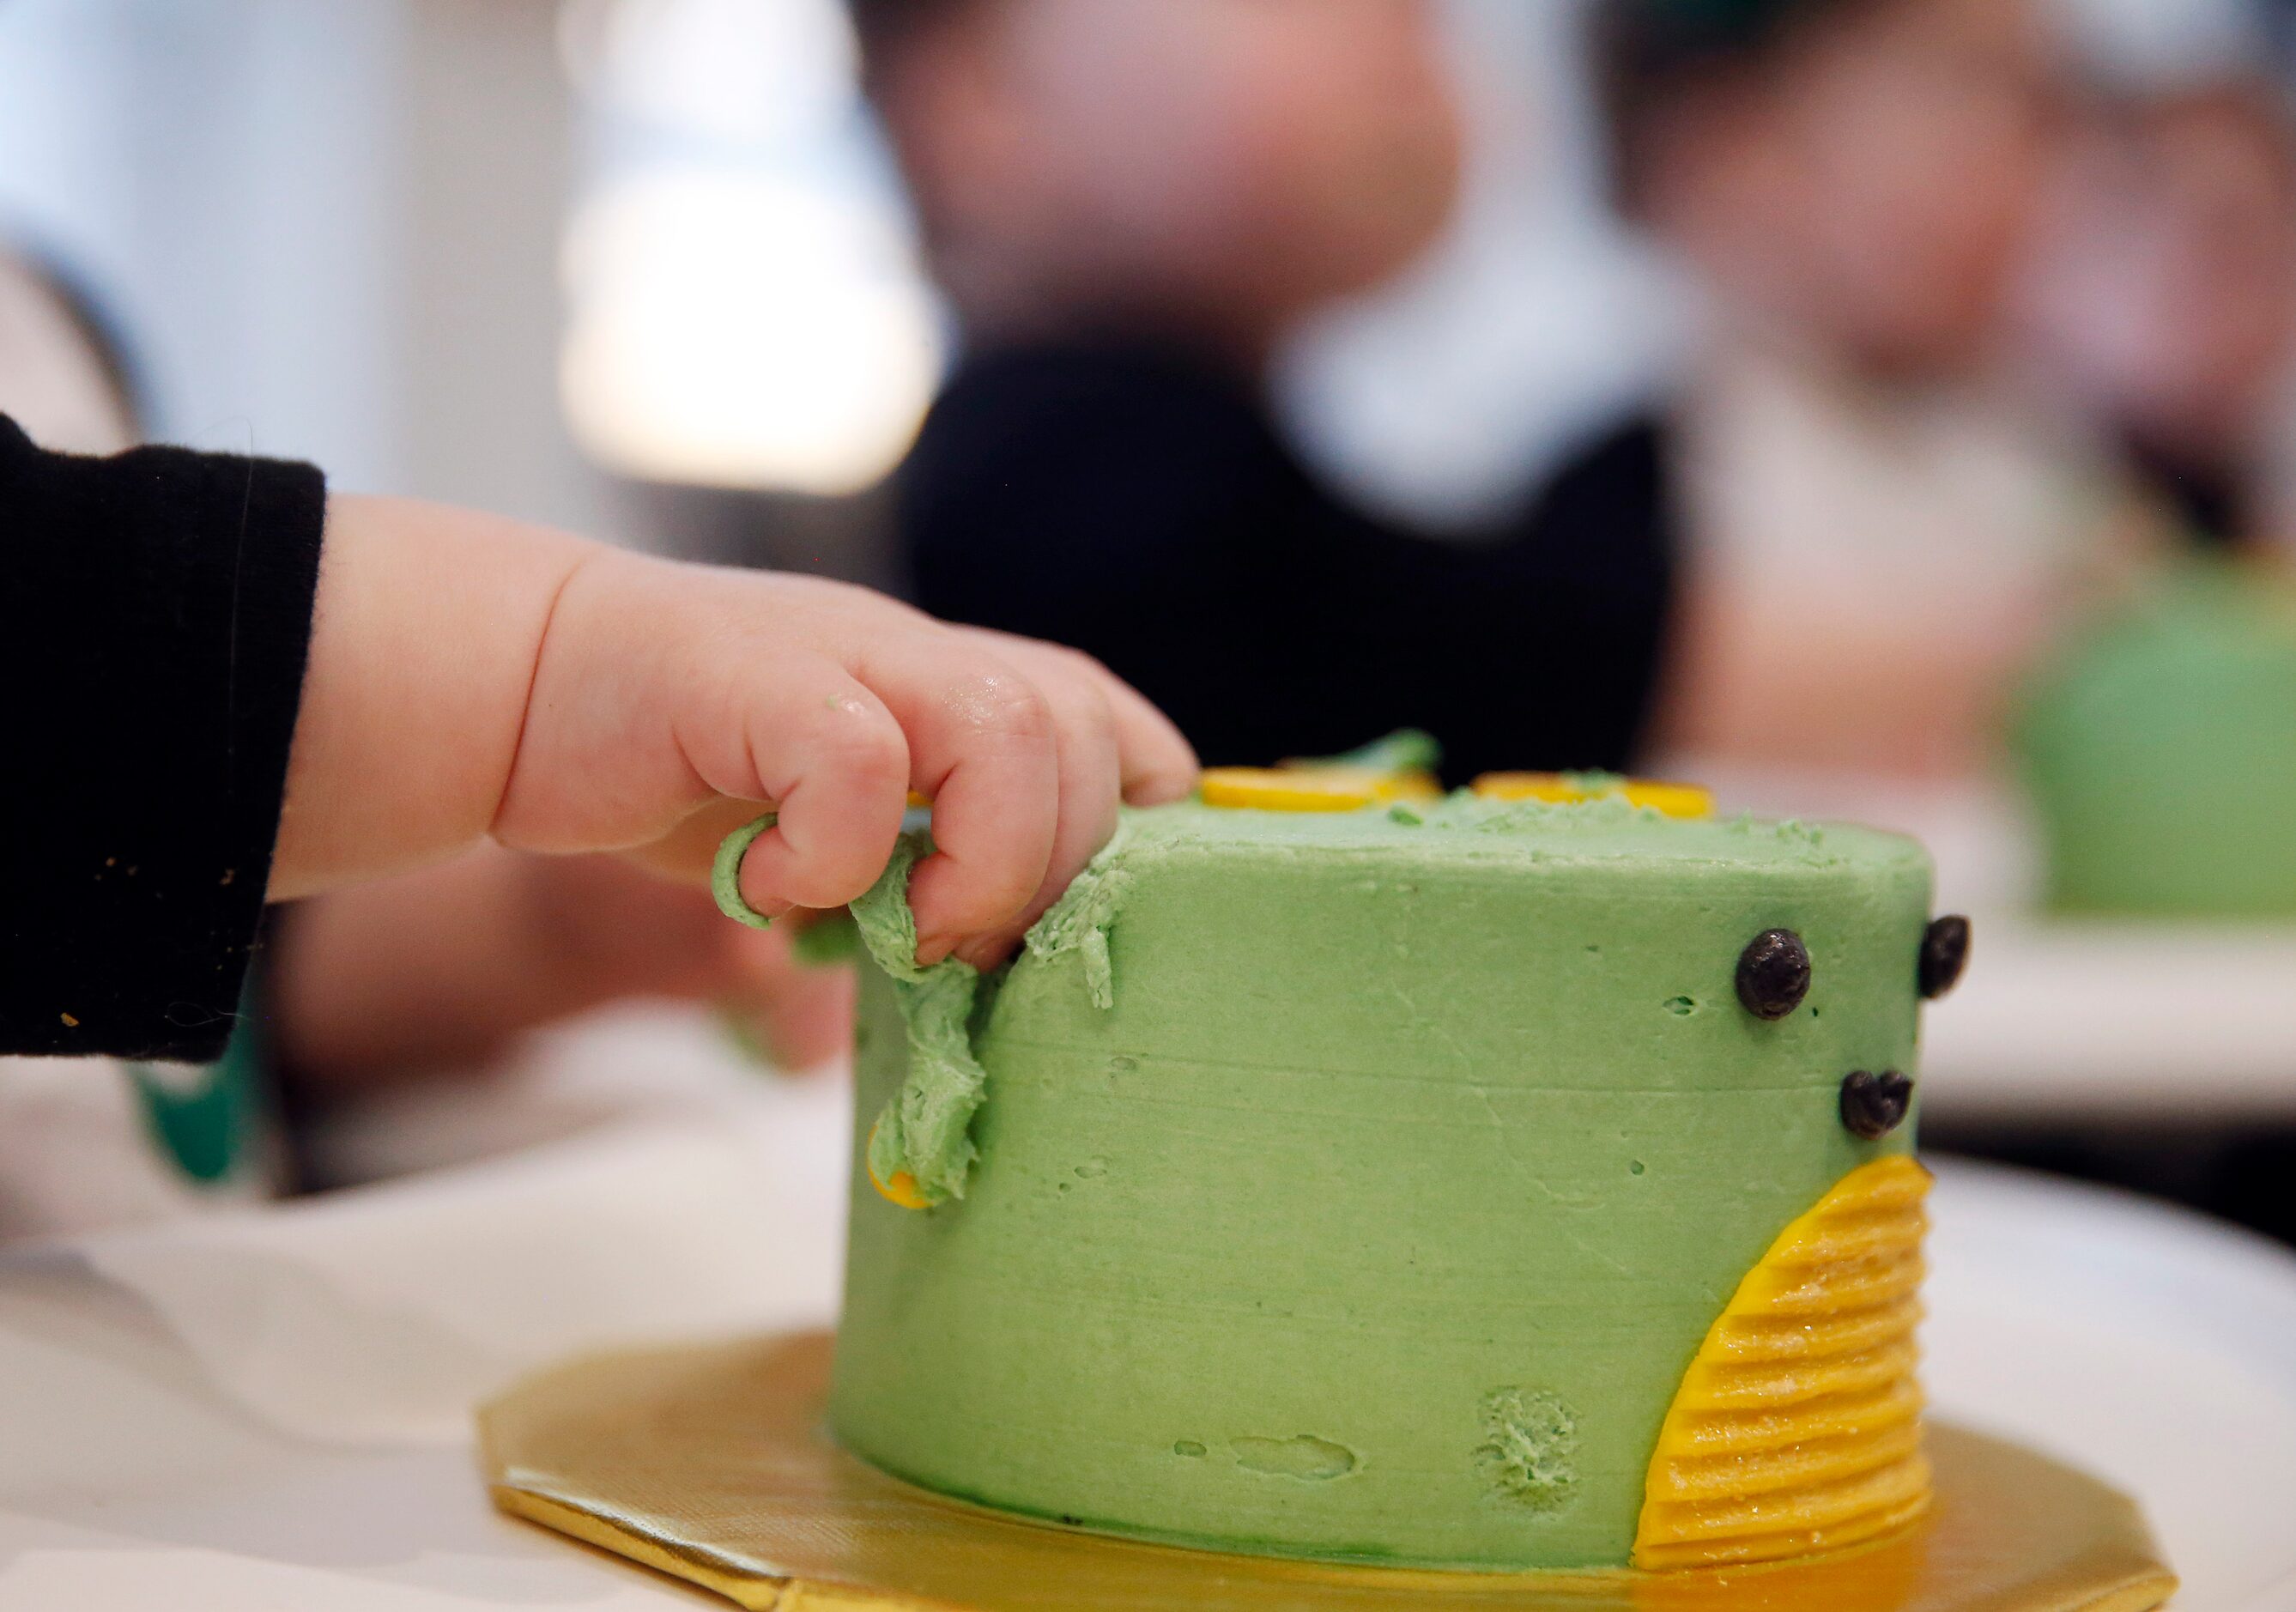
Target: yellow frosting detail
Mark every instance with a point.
(1559, 788)
(1674, 800)
(1410, 786)
(901, 1189)
(1308, 787)
(1797, 1428)
(1549, 786)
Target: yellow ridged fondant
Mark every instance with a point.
(1798, 1427)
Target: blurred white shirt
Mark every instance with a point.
(1868, 569)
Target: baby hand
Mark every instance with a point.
(472, 676)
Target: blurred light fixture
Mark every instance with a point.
(746, 309)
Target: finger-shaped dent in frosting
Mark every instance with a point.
(1305, 1457)
(1081, 919)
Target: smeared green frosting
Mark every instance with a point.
(1080, 920)
(1355, 1188)
(924, 1128)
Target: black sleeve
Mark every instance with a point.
(155, 610)
(1152, 516)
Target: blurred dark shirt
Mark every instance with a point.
(1142, 508)
(2208, 500)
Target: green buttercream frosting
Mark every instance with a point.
(2159, 745)
(726, 872)
(924, 1128)
(1353, 1187)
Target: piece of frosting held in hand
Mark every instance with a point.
(924, 1133)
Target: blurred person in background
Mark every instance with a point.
(2161, 303)
(1876, 533)
(1129, 207)
(2163, 297)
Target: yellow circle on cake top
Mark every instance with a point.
(1565, 788)
(1309, 788)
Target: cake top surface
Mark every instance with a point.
(1462, 828)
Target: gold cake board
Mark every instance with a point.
(712, 1463)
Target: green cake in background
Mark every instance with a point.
(2159, 748)
(1468, 1183)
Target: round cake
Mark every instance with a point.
(2159, 747)
(1484, 1184)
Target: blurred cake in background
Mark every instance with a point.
(2159, 747)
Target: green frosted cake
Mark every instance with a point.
(2160, 750)
(1464, 1183)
